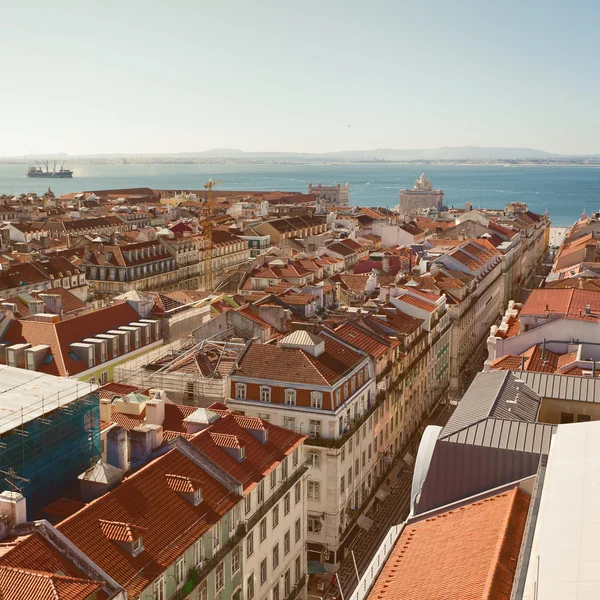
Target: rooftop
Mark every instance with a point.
(27, 395)
(469, 552)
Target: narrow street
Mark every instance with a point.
(394, 510)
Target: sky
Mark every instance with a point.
(303, 76)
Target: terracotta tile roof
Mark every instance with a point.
(121, 532)
(169, 436)
(125, 420)
(63, 508)
(179, 483)
(224, 440)
(170, 523)
(174, 416)
(360, 339)
(467, 553)
(22, 584)
(60, 335)
(567, 358)
(116, 389)
(298, 299)
(265, 361)
(70, 302)
(562, 301)
(418, 302)
(355, 283)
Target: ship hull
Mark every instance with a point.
(51, 175)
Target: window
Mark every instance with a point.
(219, 578)
(250, 587)
(338, 396)
(369, 451)
(284, 469)
(104, 378)
(290, 397)
(286, 542)
(198, 552)
(250, 544)
(314, 428)
(289, 423)
(297, 530)
(297, 493)
(263, 529)
(350, 476)
(180, 571)
(275, 516)
(298, 569)
(583, 418)
(314, 459)
(375, 444)
(343, 455)
(356, 467)
(247, 503)
(349, 445)
(359, 378)
(240, 391)
(203, 591)
(263, 571)
(316, 400)
(216, 536)
(287, 583)
(295, 457)
(260, 492)
(275, 556)
(159, 589)
(314, 525)
(346, 390)
(314, 490)
(286, 504)
(275, 595)
(264, 416)
(364, 459)
(265, 393)
(235, 561)
(342, 484)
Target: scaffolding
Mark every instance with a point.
(46, 444)
(193, 372)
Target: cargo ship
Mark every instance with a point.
(37, 171)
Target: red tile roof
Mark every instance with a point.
(25, 584)
(178, 483)
(265, 361)
(63, 508)
(60, 335)
(168, 522)
(562, 301)
(470, 552)
(418, 302)
(360, 339)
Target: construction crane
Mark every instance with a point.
(206, 222)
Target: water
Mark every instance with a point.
(564, 191)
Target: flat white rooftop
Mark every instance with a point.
(565, 556)
(27, 395)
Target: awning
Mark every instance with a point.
(315, 567)
(365, 522)
(383, 492)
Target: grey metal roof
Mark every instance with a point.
(562, 387)
(483, 456)
(505, 434)
(493, 394)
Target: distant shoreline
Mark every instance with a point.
(217, 161)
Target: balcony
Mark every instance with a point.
(355, 424)
(277, 496)
(297, 589)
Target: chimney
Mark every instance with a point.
(13, 506)
(105, 411)
(53, 303)
(155, 409)
(519, 383)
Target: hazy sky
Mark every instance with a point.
(171, 76)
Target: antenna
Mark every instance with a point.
(14, 481)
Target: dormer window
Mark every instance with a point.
(316, 400)
(290, 397)
(265, 393)
(242, 453)
(240, 391)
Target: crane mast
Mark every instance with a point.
(206, 222)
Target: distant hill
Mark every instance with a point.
(445, 153)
